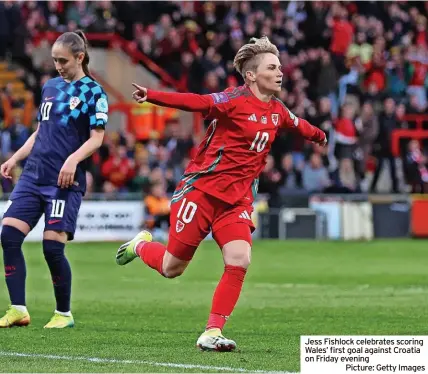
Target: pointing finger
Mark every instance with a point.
(138, 87)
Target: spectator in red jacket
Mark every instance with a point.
(118, 169)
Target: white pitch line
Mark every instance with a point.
(139, 362)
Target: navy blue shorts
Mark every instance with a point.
(29, 201)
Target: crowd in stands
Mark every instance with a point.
(354, 69)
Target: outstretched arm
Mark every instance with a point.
(183, 101)
(311, 132)
(304, 128)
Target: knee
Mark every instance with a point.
(237, 253)
(52, 249)
(5, 237)
(57, 236)
(173, 270)
(241, 260)
(11, 237)
(173, 266)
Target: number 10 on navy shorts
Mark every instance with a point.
(29, 201)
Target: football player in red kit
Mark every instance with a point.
(218, 187)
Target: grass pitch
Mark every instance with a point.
(129, 319)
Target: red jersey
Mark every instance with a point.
(235, 147)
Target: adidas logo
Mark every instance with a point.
(245, 215)
(252, 118)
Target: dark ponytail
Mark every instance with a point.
(77, 43)
(85, 62)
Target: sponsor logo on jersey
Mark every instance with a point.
(74, 102)
(179, 226)
(245, 215)
(264, 120)
(252, 118)
(275, 118)
(220, 97)
(102, 105)
(53, 221)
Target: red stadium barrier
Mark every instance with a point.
(418, 133)
(419, 119)
(419, 223)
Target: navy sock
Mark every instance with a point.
(14, 263)
(60, 272)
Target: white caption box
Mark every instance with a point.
(363, 354)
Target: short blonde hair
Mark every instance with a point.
(247, 56)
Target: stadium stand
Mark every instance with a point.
(355, 69)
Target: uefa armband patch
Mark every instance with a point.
(102, 105)
(220, 97)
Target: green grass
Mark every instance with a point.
(293, 288)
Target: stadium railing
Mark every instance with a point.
(417, 133)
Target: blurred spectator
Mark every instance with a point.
(382, 145)
(118, 169)
(141, 181)
(415, 168)
(349, 81)
(291, 178)
(347, 176)
(417, 58)
(82, 13)
(327, 81)
(368, 128)
(396, 75)
(342, 34)
(360, 49)
(270, 181)
(315, 175)
(157, 209)
(346, 135)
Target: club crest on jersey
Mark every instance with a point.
(179, 226)
(275, 118)
(263, 120)
(74, 102)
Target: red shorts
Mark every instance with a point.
(194, 214)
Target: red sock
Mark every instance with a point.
(226, 296)
(152, 254)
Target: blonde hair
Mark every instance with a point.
(248, 55)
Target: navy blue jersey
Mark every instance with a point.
(67, 114)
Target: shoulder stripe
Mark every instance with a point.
(237, 93)
(281, 102)
(293, 117)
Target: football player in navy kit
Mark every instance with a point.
(72, 118)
